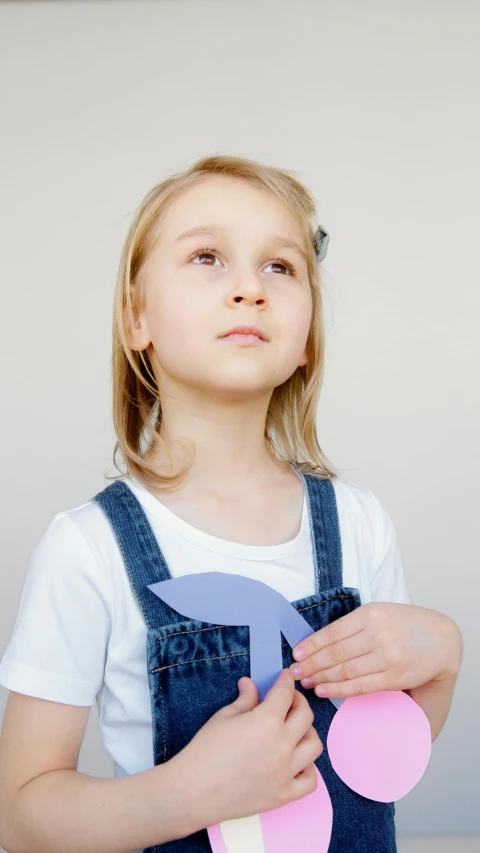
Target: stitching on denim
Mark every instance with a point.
(332, 598)
(234, 654)
(163, 715)
(163, 727)
(337, 529)
(198, 660)
(194, 631)
(197, 630)
(131, 580)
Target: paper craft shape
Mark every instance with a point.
(226, 599)
(238, 835)
(304, 825)
(379, 744)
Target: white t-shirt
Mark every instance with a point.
(79, 633)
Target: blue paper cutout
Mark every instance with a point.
(227, 599)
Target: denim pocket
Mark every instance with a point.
(193, 670)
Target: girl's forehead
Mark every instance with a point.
(225, 206)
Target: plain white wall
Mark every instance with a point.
(375, 106)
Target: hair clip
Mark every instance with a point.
(320, 242)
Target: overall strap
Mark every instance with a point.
(142, 556)
(325, 532)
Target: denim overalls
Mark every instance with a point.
(193, 666)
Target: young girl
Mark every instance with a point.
(225, 474)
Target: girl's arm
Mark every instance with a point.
(435, 697)
(47, 806)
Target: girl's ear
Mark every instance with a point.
(137, 335)
(304, 359)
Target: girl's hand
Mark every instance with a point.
(379, 646)
(250, 756)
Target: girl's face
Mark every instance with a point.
(199, 286)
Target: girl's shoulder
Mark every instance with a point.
(370, 539)
(361, 503)
(364, 514)
(66, 614)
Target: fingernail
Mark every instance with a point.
(299, 654)
(297, 670)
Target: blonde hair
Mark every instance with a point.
(290, 427)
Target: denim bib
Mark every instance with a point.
(193, 666)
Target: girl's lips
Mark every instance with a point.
(243, 339)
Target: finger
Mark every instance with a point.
(338, 653)
(369, 664)
(346, 626)
(280, 697)
(300, 718)
(304, 783)
(360, 686)
(308, 750)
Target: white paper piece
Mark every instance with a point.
(243, 833)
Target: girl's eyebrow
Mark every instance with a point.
(277, 239)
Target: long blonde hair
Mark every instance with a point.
(290, 426)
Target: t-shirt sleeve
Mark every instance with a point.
(388, 582)
(58, 646)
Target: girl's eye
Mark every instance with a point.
(281, 262)
(202, 253)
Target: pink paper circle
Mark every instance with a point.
(304, 825)
(380, 744)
